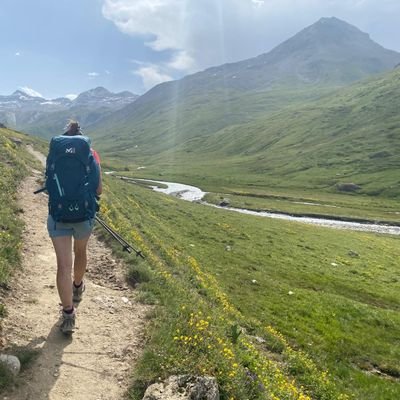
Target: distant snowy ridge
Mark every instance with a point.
(26, 105)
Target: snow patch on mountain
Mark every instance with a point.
(30, 92)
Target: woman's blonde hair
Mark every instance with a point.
(73, 128)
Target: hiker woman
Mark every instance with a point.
(73, 181)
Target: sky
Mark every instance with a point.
(58, 48)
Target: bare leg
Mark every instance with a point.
(80, 261)
(63, 248)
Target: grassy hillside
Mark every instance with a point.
(351, 136)
(298, 312)
(176, 113)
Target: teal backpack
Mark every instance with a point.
(72, 177)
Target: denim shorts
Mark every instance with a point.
(79, 230)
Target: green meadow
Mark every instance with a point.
(270, 308)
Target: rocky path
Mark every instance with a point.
(97, 361)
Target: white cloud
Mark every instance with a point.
(29, 91)
(151, 75)
(158, 18)
(182, 62)
(71, 96)
(93, 74)
(17, 54)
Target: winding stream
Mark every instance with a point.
(192, 193)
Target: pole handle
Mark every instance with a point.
(40, 190)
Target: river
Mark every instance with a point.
(192, 193)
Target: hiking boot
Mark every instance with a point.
(67, 326)
(77, 292)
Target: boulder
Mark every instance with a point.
(347, 187)
(380, 154)
(184, 387)
(224, 203)
(353, 253)
(12, 363)
(17, 141)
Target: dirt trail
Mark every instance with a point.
(96, 362)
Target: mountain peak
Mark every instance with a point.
(18, 93)
(334, 29)
(92, 95)
(98, 91)
(126, 93)
(26, 95)
(332, 21)
(328, 50)
(26, 91)
(101, 97)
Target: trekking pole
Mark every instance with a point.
(114, 234)
(125, 245)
